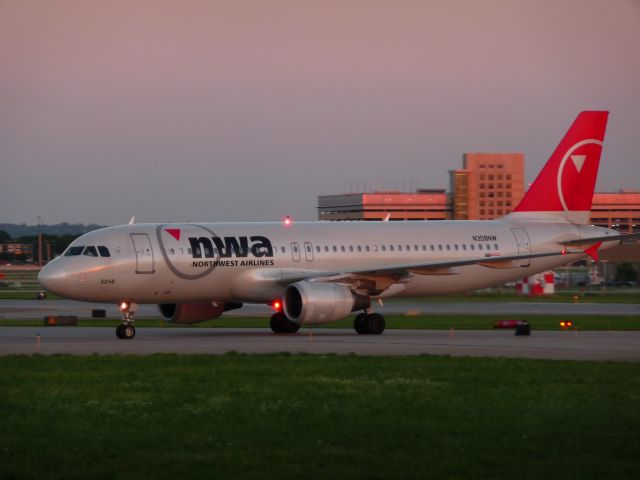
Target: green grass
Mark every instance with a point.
(429, 322)
(331, 417)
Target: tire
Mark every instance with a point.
(119, 331)
(279, 323)
(375, 324)
(360, 323)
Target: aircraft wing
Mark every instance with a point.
(397, 272)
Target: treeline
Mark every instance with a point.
(58, 244)
(16, 231)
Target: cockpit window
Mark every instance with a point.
(90, 252)
(73, 251)
(104, 251)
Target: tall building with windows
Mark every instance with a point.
(489, 185)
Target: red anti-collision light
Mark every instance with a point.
(287, 220)
(276, 305)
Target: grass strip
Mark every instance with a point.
(431, 322)
(326, 417)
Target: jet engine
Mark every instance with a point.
(189, 313)
(319, 302)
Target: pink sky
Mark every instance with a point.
(247, 110)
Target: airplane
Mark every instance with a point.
(319, 272)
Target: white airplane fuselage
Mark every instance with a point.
(148, 264)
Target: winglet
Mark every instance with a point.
(133, 220)
(386, 219)
(592, 251)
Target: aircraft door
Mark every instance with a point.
(144, 253)
(308, 251)
(295, 251)
(524, 245)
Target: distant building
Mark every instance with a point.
(619, 210)
(489, 185)
(419, 205)
(17, 248)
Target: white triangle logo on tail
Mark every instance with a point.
(578, 161)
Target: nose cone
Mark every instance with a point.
(53, 278)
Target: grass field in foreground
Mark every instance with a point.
(303, 416)
(430, 322)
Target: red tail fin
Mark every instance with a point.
(566, 183)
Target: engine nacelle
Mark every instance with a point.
(190, 313)
(319, 302)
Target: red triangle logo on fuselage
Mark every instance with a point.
(174, 232)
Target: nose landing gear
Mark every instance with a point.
(127, 331)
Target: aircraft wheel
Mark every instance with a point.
(360, 323)
(126, 332)
(281, 324)
(375, 324)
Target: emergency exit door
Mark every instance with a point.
(524, 245)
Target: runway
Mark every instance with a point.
(569, 345)
(36, 309)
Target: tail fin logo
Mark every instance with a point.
(571, 175)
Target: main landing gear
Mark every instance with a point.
(127, 331)
(281, 324)
(369, 323)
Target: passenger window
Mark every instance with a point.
(448, 247)
(455, 247)
(480, 246)
(424, 247)
(415, 247)
(432, 248)
(384, 248)
(472, 247)
(342, 249)
(464, 246)
(495, 246)
(488, 247)
(171, 251)
(318, 249)
(90, 252)
(335, 249)
(439, 246)
(366, 247)
(408, 248)
(326, 248)
(399, 248)
(391, 248)
(359, 248)
(73, 251)
(104, 251)
(282, 250)
(351, 248)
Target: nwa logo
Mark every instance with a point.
(225, 247)
(207, 251)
